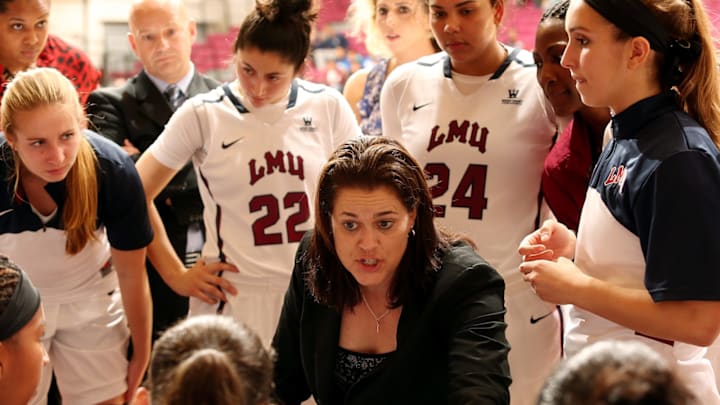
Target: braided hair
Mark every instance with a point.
(557, 10)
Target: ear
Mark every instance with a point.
(9, 138)
(498, 11)
(301, 68)
(141, 397)
(133, 44)
(639, 52)
(411, 219)
(192, 29)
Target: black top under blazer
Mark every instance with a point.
(451, 345)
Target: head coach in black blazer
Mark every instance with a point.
(133, 115)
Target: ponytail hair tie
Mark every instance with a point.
(686, 50)
(679, 54)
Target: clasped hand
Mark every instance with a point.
(547, 262)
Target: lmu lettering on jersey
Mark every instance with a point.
(459, 133)
(283, 162)
(616, 176)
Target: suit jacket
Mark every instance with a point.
(451, 345)
(138, 111)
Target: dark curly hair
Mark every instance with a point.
(9, 279)
(557, 9)
(616, 373)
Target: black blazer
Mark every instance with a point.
(451, 347)
(138, 111)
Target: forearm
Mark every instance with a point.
(132, 277)
(155, 176)
(138, 309)
(694, 322)
(161, 252)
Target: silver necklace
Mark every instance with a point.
(375, 317)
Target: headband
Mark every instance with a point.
(633, 18)
(23, 304)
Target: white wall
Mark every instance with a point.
(81, 22)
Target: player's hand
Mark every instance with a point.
(550, 242)
(203, 282)
(554, 281)
(136, 370)
(130, 148)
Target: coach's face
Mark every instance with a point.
(24, 31)
(161, 35)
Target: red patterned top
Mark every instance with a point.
(71, 61)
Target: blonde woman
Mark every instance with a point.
(73, 216)
(399, 32)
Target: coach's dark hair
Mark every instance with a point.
(210, 359)
(369, 163)
(616, 373)
(280, 26)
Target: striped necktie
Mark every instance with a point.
(174, 96)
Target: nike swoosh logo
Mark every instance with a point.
(227, 145)
(7, 211)
(417, 107)
(534, 320)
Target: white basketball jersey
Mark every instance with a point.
(257, 172)
(482, 140)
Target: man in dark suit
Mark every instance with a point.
(133, 115)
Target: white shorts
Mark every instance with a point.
(699, 377)
(691, 363)
(714, 357)
(257, 304)
(87, 343)
(535, 335)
